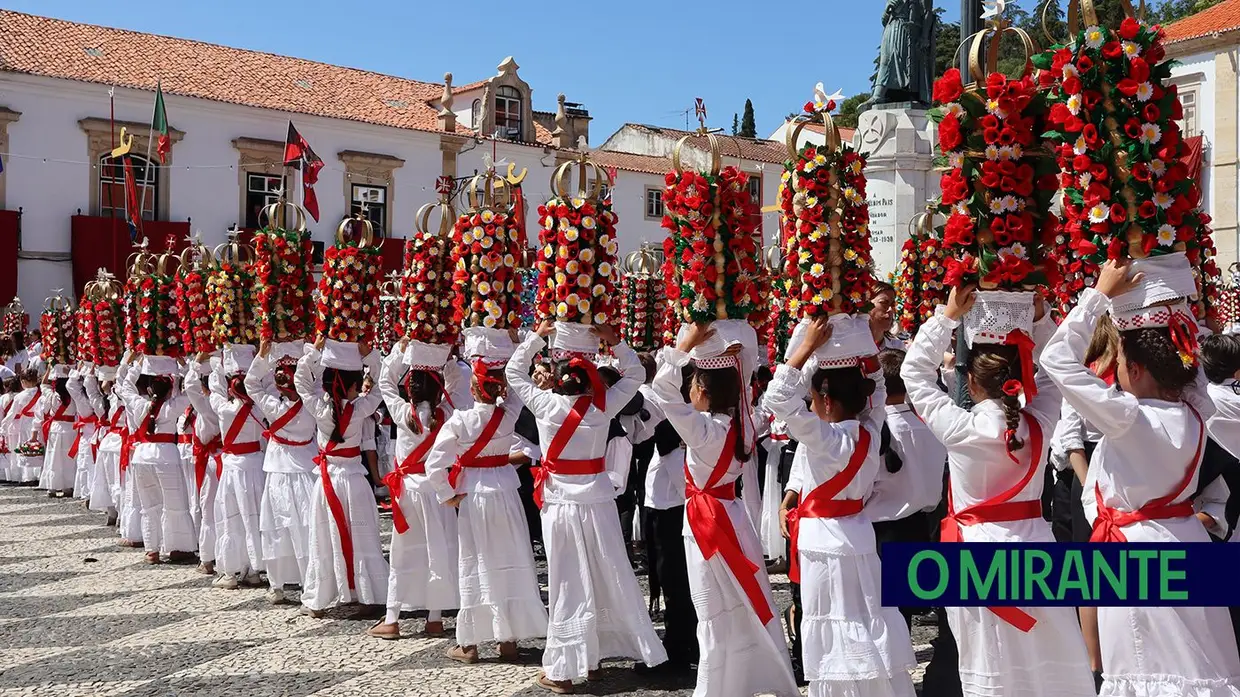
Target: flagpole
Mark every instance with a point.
(146, 173)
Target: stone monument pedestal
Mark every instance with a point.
(898, 142)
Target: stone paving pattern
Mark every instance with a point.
(83, 617)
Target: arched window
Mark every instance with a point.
(112, 186)
(508, 112)
(475, 114)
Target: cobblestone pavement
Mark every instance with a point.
(83, 617)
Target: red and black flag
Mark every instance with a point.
(299, 155)
(133, 208)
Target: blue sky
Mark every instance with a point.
(638, 60)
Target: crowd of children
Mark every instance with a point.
(696, 465)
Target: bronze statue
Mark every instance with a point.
(906, 56)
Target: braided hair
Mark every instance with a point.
(992, 367)
(339, 383)
(722, 389)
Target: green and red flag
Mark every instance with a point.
(159, 122)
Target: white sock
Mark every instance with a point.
(392, 616)
(434, 616)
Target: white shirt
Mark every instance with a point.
(402, 413)
(828, 448)
(227, 410)
(1146, 444)
(977, 456)
(459, 434)
(309, 383)
(918, 486)
(590, 439)
(261, 387)
(138, 406)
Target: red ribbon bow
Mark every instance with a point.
(1013, 388)
(1184, 336)
(1024, 346)
(598, 388)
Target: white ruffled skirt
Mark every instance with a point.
(851, 645)
(326, 574)
(596, 607)
(239, 546)
(500, 600)
(424, 557)
(29, 469)
(773, 543)
(739, 654)
(285, 524)
(999, 660)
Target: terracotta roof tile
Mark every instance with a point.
(72, 51)
(755, 149)
(1223, 17)
(632, 162)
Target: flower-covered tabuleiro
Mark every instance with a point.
(283, 265)
(150, 297)
(349, 289)
(230, 295)
(191, 299)
(641, 301)
(487, 247)
(427, 286)
(58, 324)
(100, 338)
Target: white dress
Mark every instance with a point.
(424, 555)
(1146, 447)
(208, 464)
(500, 600)
(155, 468)
(354, 527)
(22, 421)
(84, 433)
(851, 644)
(596, 608)
(6, 450)
(238, 543)
(290, 473)
(997, 658)
(106, 493)
(740, 653)
(773, 543)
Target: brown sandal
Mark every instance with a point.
(152, 558)
(508, 652)
(382, 630)
(434, 630)
(462, 655)
(564, 687)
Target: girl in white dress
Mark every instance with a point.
(11, 386)
(424, 546)
(84, 431)
(1141, 477)
(346, 563)
(154, 404)
(288, 466)
(469, 469)
(851, 645)
(238, 544)
(22, 420)
(740, 639)
(995, 459)
(596, 609)
(106, 494)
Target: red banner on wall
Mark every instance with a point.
(10, 226)
(98, 242)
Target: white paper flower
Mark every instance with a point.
(1099, 213)
(1144, 91)
(1166, 235)
(1095, 37)
(1150, 133)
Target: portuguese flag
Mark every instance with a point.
(159, 122)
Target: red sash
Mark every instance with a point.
(333, 501)
(821, 502)
(1109, 521)
(414, 463)
(1002, 509)
(552, 464)
(714, 532)
(231, 446)
(4, 445)
(58, 416)
(28, 410)
(272, 433)
(470, 457)
(202, 453)
(78, 425)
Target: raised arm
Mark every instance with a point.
(77, 391)
(1110, 411)
(260, 385)
(619, 458)
(875, 412)
(198, 397)
(695, 428)
(632, 374)
(1048, 403)
(126, 387)
(785, 398)
(388, 378)
(456, 384)
(217, 383)
(308, 381)
(947, 421)
(95, 394)
(540, 402)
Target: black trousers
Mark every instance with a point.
(942, 678)
(912, 528)
(663, 532)
(1061, 505)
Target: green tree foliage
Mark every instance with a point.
(736, 128)
(749, 129)
(847, 115)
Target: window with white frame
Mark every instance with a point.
(1188, 100)
(755, 189)
(508, 112)
(475, 114)
(112, 186)
(261, 190)
(654, 203)
(373, 201)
